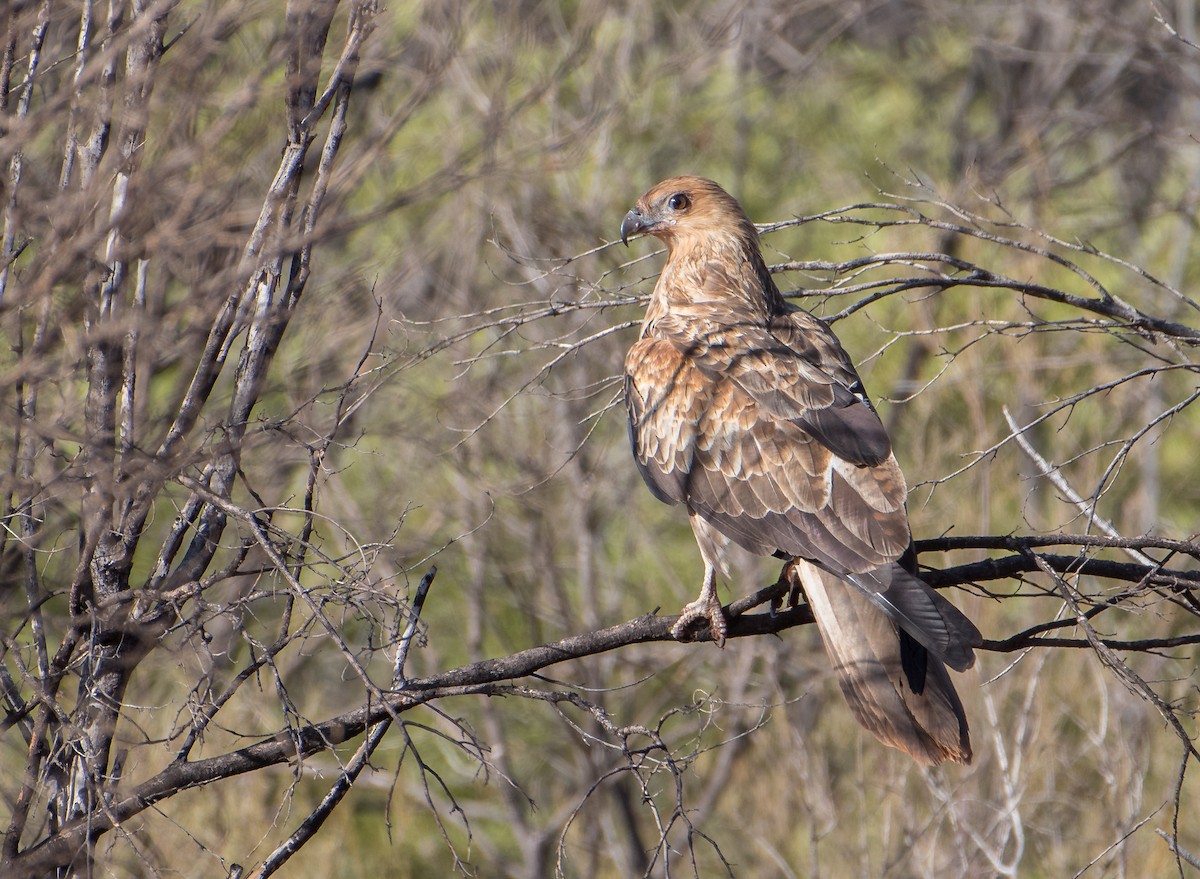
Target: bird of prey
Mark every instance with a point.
(746, 410)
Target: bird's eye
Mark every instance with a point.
(679, 202)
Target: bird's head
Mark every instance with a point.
(688, 209)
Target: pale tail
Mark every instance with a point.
(865, 648)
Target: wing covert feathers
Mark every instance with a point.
(766, 481)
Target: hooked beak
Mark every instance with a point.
(633, 223)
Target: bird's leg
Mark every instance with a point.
(789, 585)
(782, 589)
(707, 607)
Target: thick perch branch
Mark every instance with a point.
(488, 676)
(474, 679)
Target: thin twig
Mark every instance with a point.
(362, 756)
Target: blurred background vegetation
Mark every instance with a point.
(464, 325)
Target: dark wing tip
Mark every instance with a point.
(923, 613)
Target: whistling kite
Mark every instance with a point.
(747, 410)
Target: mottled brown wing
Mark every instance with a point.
(799, 372)
(763, 480)
(794, 368)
